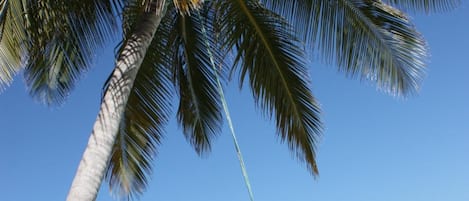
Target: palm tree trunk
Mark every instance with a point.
(95, 159)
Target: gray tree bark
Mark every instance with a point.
(92, 167)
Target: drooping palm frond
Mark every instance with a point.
(298, 13)
(306, 14)
(9, 65)
(272, 59)
(141, 129)
(367, 39)
(379, 42)
(270, 56)
(55, 41)
(146, 113)
(10, 49)
(199, 111)
(424, 5)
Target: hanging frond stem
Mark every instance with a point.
(227, 111)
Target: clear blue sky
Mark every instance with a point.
(375, 147)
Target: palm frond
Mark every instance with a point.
(366, 38)
(146, 113)
(199, 111)
(10, 43)
(186, 6)
(308, 13)
(9, 66)
(271, 57)
(380, 42)
(298, 13)
(424, 5)
(56, 41)
(373, 40)
(4, 7)
(131, 12)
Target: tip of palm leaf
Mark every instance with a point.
(4, 85)
(184, 7)
(315, 171)
(6, 77)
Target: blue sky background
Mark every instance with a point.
(375, 147)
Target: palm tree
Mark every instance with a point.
(164, 49)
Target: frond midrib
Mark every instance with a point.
(271, 54)
(189, 76)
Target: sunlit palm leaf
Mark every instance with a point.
(272, 59)
(424, 5)
(199, 110)
(10, 49)
(298, 13)
(9, 65)
(146, 113)
(381, 44)
(55, 41)
(366, 38)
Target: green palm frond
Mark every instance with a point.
(55, 41)
(3, 13)
(141, 129)
(9, 65)
(146, 113)
(379, 42)
(272, 59)
(424, 5)
(199, 110)
(132, 11)
(372, 40)
(366, 39)
(298, 13)
(10, 49)
(185, 7)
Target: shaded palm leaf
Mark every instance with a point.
(199, 110)
(272, 59)
(3, 13)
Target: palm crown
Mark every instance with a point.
(53, 43)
